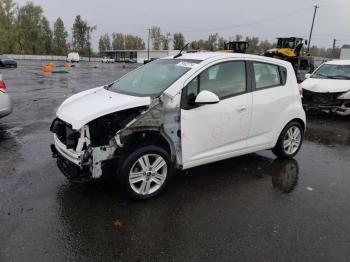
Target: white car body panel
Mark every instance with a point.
(5, 104)
(213, 130)
(270, 113)
(83, 107)
(321, 85)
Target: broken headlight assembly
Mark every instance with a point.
(345, 96)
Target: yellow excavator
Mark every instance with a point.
(236, 47)
(287, 47)
(290, 49)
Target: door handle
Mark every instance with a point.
(241, 109)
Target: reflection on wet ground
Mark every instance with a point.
(328, 129)
(4, 135)
(199, 198)
(250, 208)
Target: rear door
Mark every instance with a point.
(270, 98)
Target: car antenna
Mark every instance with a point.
(179, 54)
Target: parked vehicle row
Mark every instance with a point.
(73, 57)
(7, 62)
(177, 113)
(107, 60)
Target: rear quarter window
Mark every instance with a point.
(266, 75)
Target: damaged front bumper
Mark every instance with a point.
(76, 163)
(69, 154)
(342, 110)
(69, 163)
(326, 102)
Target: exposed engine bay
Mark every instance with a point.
(103, 139)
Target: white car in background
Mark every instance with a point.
(179, 112)
(73, 57)
(5, 100)
(107, 60)
(328, 88)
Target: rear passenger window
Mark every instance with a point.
(266, 75)
(225, 79)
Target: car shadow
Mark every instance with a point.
(101, 211)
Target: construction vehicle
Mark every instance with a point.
(236, 47)
(289, 49)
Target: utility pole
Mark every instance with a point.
(312, 27)
(334, 46)
(149, 32)
(89, 45)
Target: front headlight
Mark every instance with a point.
(345, 96)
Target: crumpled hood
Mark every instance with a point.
(91, 104)
(320, 85)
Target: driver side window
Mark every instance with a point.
(225, 79)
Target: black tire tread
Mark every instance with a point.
(131, 155)
(278, 149)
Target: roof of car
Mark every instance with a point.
(338, 62)
(221, 55)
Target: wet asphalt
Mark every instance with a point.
(249, 208)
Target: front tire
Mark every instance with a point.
(145, 172)
(289, 141)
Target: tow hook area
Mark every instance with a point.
(54, 151)
(100, 154)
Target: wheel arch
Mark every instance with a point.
(147, 137)
(296, 119)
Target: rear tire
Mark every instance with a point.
(145, 172)
(289, 141)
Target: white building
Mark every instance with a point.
(138, 55)
(345, 53)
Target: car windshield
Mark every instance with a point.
(333, 72)
(153, 78)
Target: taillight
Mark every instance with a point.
(300, 89)
(2, 86)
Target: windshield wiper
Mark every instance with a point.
(321, 75)
(339, 77)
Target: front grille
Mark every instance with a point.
(321, 98)
(65, 133)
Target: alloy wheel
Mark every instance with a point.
(148, 174)
(292, 140)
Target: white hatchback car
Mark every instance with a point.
(5, 100)
(179, 112)
(328, 88)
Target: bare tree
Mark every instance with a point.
(156, 37)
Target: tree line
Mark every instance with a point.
(214, 42)
(26, 30)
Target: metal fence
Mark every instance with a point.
(47, 57)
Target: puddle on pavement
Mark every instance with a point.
(280, 174)
(329, 130)
(7, 132)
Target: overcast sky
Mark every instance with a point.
(197, 19)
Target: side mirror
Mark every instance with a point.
(206, 97)
(305, 42)
(307, 76)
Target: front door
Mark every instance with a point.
(215, 131)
